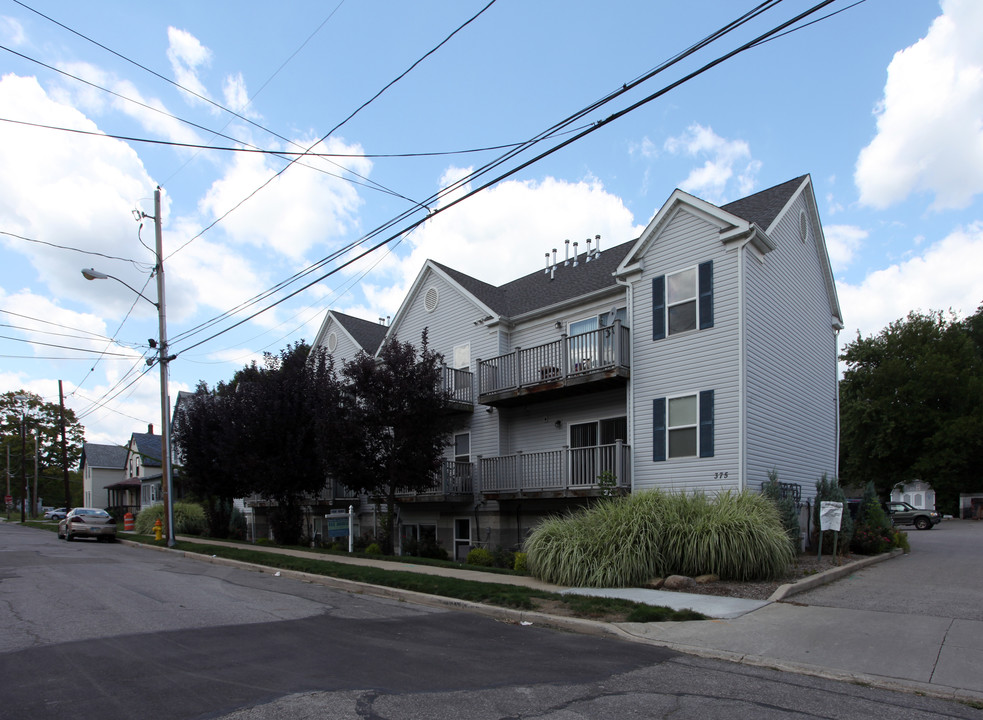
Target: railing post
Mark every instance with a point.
(518, 469)
(617, 343)
(564, 356)
(618, 461)
(478, 367)
(517, 367)
(565, 466)
(476, 477)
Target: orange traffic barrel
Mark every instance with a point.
(128, 523)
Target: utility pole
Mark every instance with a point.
(64, 447)
(23, 468)
(164, 359)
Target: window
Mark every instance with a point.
(462, 448)
(682, 301)
(462, 357)
(683, 426)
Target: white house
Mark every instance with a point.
(102, 465)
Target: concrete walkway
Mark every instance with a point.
(932, 655)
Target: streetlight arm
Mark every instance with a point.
(93, 274)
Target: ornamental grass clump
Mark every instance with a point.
(624, 542)
(612, 544)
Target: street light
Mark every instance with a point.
(163, 359)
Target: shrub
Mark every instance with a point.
(874, 532)
(374, 549)
(481, 557)
(520, 562)
(622, 542)
(788, 513)
(503, 558)
(189, 519)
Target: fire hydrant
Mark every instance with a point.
(158, 530)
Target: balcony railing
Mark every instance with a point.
(454, 478)
(597, 351)
(562, 469)
(459, 386)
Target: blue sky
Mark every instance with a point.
(881, 104)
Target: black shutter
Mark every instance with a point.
(659, 307)
(705, 291)
(706, 423)
(659, 429)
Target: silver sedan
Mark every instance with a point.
(88, 522)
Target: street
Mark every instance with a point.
(109, 631)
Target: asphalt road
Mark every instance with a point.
(941, 577)
(107, 631)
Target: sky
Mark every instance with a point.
(881, 102)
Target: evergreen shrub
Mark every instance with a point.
(481, 557)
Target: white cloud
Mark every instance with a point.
(946, 276)
(727, 160)
(842, 241)
(300, 209)
(187, 55)
(929, 136)
(504, 233)
(11, 31)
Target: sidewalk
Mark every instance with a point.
(931, 655)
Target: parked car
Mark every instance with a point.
(901, 513)
(55, 514)
(88, 522)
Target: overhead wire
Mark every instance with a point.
(135, 263)
(540, 137)
(593, 128)
(336, 128)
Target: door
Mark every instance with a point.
(462, 539)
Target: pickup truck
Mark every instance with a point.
(901, 513)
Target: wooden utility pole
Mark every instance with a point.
(64, 447)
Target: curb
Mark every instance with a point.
(828, 576)
(614, 630)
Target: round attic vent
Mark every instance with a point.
(332, 342)
(803, 227)
(430, 301)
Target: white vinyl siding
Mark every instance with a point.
(790, 360)
(687, 363)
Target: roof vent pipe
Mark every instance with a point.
(547, 270)
(597, 250)
(575, 255)
(552, 272)
(554, 257)
(566, 255)
(587, 259)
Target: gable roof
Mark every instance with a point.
(104, 456)
(149, 447)
(369, 335)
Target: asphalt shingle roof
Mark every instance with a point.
(763, 207)
(149, 447)
(104, 456)
(536, 290)
(369, 335)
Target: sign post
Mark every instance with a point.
(341, 524)
(830, 518)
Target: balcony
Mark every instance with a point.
(592, 361)
(454, 482)
(564, 472)
(459, 386)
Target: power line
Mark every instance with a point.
(68, 247)
(596, 126)
(61, 347)
(284, 154)
(337, 127)
(542, 136)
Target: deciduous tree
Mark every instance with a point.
(911, 406)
